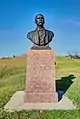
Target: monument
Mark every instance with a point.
(40, 92)
(40, 70)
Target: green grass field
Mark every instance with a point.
(12, 79)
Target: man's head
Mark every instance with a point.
(39, 20)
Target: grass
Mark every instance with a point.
(12, 79)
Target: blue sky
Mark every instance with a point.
(17, 19)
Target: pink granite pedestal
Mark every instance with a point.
(40, 77)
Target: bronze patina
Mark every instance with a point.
(40, 37)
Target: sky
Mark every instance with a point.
(17, 19)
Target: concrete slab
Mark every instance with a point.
(16, 103)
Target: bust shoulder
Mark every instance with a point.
(50, 33)
(30, 34)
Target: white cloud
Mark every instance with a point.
(73, 22)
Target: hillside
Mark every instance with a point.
(13, 76)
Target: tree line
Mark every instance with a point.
(73, 56)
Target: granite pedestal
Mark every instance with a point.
(40, 77)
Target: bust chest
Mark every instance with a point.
(40, 38)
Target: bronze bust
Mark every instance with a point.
(40, 36)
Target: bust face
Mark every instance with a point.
(39, 20)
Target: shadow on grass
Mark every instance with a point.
(63, 84)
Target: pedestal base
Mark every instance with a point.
(16, 103)
(41, 97)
